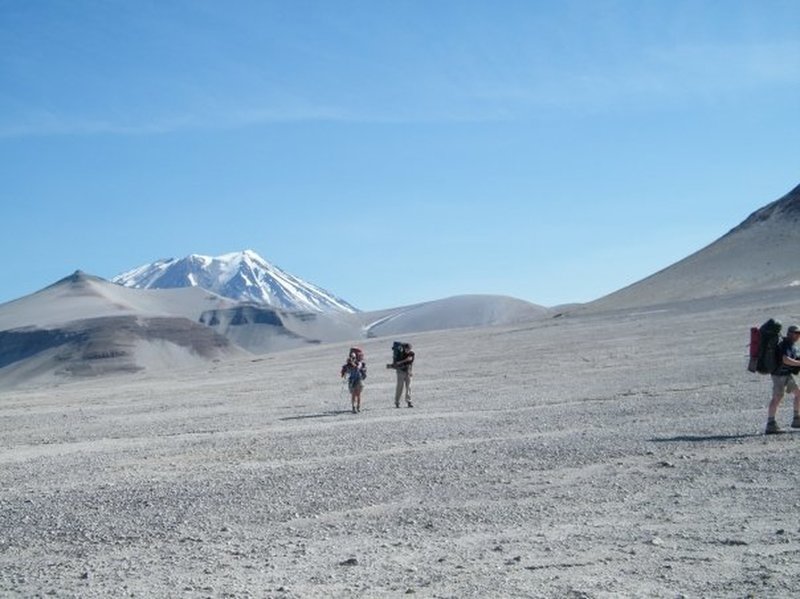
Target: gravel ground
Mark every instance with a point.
(595, 455)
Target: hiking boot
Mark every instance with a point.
(397, 404)
(410, 405)
(773, 428)
(795, 422)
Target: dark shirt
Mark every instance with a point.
(406, 362)
(787, 348)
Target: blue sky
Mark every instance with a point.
(392, 151)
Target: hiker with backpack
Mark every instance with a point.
(783, 381)
(355, 369)
(402, 362)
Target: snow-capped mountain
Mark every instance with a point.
(243, 276)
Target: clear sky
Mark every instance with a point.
(392, 151)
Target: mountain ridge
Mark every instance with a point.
(788, 204)
(83, 325)
(758, 254)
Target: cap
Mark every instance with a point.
(793, 329)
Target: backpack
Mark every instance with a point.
(398, 351)
(764, 351)
(357, 374)
(360, 373)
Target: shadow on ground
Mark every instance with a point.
(320, 415)
(704, 438)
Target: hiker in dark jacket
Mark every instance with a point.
(356, 371)
(402, 364)
(783, 380)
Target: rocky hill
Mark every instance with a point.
(761, 253)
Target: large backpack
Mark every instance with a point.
(398, 351)
(360, 373)
(764, 354)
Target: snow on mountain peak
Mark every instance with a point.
(243, 276)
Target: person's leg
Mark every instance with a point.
(398, 390)
(778, 390)
(777, 396)
(796, 416)
(408, 388)
(778, 387)
(791, 387)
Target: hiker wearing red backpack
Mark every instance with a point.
(355, 369)
(783, 380)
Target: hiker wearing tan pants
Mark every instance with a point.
(402, 367)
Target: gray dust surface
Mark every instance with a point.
(593, 455)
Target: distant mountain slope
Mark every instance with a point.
(81, 296)
(107, 345)
(763, 252)
(242, 276)
(83, 325)
(86, 326)
(261, 329)
(455, 312)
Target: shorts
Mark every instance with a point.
(783, 383)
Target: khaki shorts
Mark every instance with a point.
(783, 383)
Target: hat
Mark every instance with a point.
(793, 329)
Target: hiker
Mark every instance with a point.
(355, 369)
(402, 361)
(783, 380)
